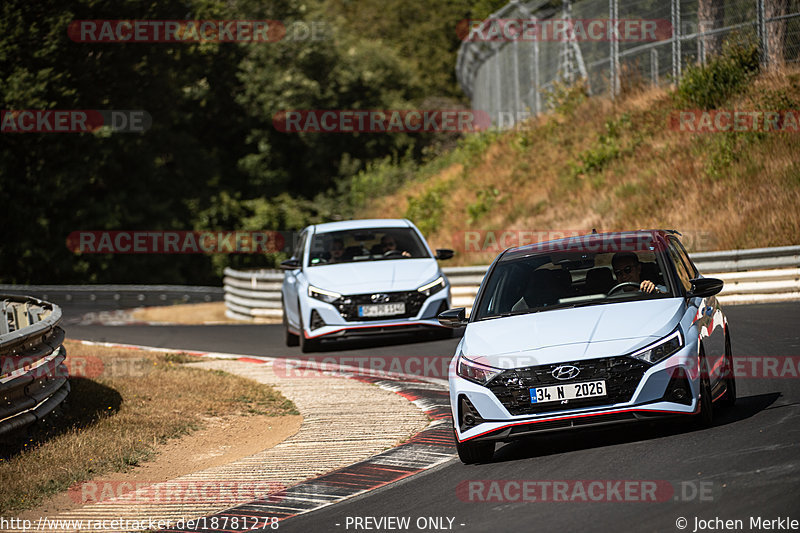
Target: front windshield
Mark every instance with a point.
(375, 244)
(556, 280)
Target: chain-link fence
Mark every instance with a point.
(509, 62)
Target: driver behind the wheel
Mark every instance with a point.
(388, 244)
(628, 269)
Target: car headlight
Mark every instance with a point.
(433, 287)
(476, 372)
(661, 349)
(321, 294)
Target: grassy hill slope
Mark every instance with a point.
(612, 166)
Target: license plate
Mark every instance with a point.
(398, 308)
(571, 391)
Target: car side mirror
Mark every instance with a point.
(290, 264)
(704, 287)
(453, 318)
(444, 253)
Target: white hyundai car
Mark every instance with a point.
(600, 329)
(362, 277)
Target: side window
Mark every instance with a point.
(301, 246)
(686, 259)
(680, 265)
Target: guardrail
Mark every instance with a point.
(116, 296)
(253, 295)
(33, 376)
(750, 276)
(744, 260)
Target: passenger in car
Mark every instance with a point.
(337, 251)
(541, 291)
(628, 269)
(599, 280)
(563, 281)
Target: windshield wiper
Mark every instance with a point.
(513, 313)
(540, 309)
(589, 302)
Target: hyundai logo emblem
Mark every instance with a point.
(379, 298)
(565, 372)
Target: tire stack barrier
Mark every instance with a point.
(33, 376)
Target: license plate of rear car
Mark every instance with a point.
(568, 391)
(391, 309)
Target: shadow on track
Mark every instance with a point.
(583, 439)
(388, 339)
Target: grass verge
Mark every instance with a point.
(122, 405)
(202, 313)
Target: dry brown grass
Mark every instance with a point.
(203, 313)
(724, 190)
(125, 405)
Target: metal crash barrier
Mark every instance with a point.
(751, 276)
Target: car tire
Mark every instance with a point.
(472, 453)
(705, 418)
(306, 345)
(729, 398)
(444, 333)
(289, 338)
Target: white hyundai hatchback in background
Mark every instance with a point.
(362, 277)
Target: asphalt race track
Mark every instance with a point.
(746, 466)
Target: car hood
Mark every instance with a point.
(372, 276)
(575, 334)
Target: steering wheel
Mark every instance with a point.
(389, 253)
(623, 284)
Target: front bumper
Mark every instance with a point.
(334, 325)
(652, 396)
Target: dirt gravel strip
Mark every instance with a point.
(346, 423)
(431, 447)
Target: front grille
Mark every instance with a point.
(348, 305)
(622, 375)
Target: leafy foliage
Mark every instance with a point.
(426, 210)
(212, 158)
(709, 87)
